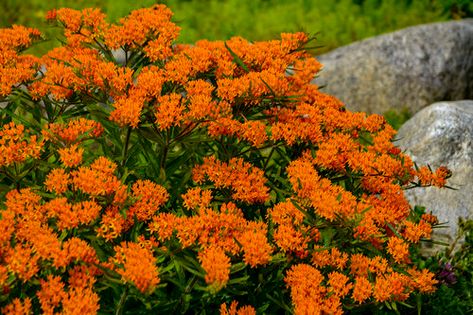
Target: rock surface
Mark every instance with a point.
(442, 134)
(411, 68)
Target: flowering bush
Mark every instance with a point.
(179, 178)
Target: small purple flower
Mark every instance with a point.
(447, 275)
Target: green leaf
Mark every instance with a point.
(236, 59)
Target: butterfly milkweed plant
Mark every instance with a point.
(140, 176)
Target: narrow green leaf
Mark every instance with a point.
(236, 59)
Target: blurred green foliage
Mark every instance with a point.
(397, 118)
(338, 22)
(454, 270)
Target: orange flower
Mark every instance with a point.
(73, 131)
(290, 240)
(430, 218)
(78, 250)
(202, 105)
(17, 307)
(80, 301)
(42, 239)
(169, 112)
(361, 290)
(413, 232)
(86, 211)
(379, 265)
(139, 266)
(16, 145)
(16, 69)
(128, 108)
(88, 22)
(233, 310)
(164, 225)
(23, 202)
(323, 257)
(216, 265)
(335, 152)
(7, 226)
(358, 263)
(96, 180)
(327, 199)
(57, 181)
(51, 293)
(143, 25)
(256, 248)
(103, 165)
(286, 213)
(393, 286)
(22, 261)
(112, 224)
(428, 178)
(150, 197)
(339, 284)
(196, 198)
(82, 276)
(247, 181)
(71, 216)
(150, 81)
(398, 249)
(307, 291)
(212, 228)
(71, 156)
(301, 123)
(423, 280)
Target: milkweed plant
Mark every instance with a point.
(141, 176)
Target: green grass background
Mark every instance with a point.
(337, 22)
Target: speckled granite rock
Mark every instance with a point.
(412, 68)
(442, 134)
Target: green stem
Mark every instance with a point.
(125, 147)
(164, 156)
(267, 160)
(187, 291)
(121, 303)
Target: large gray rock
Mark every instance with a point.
(442, 134)
(411, 68)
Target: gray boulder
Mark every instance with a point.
(411, 68)
(442, 134)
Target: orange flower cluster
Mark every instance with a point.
(37, 245)
(71, 156)
(328, 200)
(217, 233)
(98, 180)
(16, 69)
(77, 297)
(308, 294)
(150, 197)
(136, 265)
(73, 131)
(217, 267)
(79, 26)
(150, 28)
(429, 178)
(311, 296)
(291, 235)
(18, 307)
(196, 198)
(247, 181)
(17, 145)
(257, 250)
(81, 70)
(301, 186)
(235, 310)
